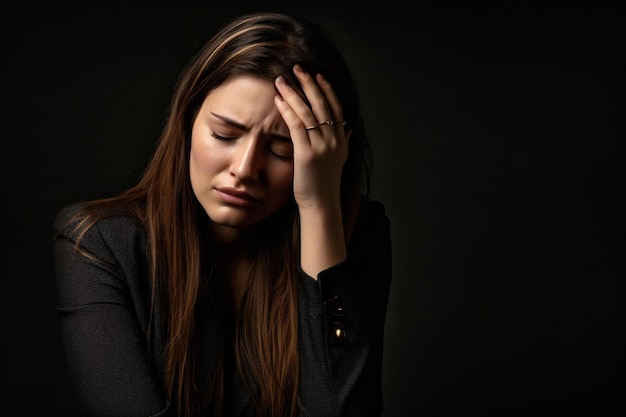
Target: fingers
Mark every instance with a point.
(329, 103)
(299, 135)
(325, 104)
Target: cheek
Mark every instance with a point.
(202, 165)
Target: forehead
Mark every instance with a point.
(242, 91)
(247, 99)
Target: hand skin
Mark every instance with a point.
(319, 155)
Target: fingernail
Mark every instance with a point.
(280, 80)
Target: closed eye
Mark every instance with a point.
(223, 138)
(282, 150)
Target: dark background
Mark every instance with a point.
(498, 137)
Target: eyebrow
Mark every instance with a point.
(245, 128)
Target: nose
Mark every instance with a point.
(249, 159)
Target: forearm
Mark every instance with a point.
(322, 242)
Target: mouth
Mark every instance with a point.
(236, 197)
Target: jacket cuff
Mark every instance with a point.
(324, 288)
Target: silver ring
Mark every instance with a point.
(332, 122)
(311, 127)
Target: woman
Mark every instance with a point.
(247, 273)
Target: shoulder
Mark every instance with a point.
(372, 218)
(97, 230)
(74, 215)
(372, 232)
(372, 211)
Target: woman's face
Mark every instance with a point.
(241, 160)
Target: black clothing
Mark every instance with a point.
(116, 365)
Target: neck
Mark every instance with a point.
(230, 241)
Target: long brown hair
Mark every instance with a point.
(266, 354)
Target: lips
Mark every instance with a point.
(236, 197)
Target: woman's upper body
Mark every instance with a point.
(212, 287)
(115, 345)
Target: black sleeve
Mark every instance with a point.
(99, 301)
(341, 326)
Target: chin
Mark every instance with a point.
(235, 218)
(242, 219)
(233, 223)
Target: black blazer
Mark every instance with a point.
(104, 314)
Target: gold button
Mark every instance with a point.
(339, 334)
